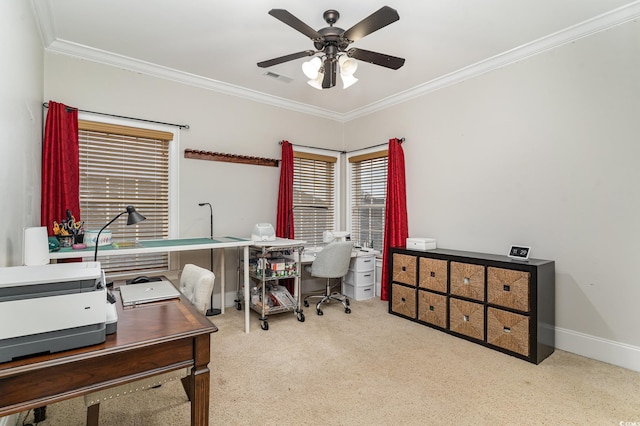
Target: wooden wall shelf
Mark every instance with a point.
(230, 158)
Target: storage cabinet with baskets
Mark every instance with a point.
(489, 299)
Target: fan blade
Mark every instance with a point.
(379, 19)
(376, 58)
(329, 79)
(295, 23)
(287, 58)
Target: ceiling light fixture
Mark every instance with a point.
(331, 44)
(314, 70)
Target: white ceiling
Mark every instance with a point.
(217, 44)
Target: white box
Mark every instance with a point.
(357, 293)
(419, 243)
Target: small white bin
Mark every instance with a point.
(357, 293)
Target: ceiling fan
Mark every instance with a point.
(332, 43)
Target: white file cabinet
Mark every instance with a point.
(358, 284)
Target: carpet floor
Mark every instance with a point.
(373, 368)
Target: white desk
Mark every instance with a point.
(181, 244)
(309, 255)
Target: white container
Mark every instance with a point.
(357, 293)
(363, 262)
(419, 243)
(360, 279)
(35, 247)
(90, 238)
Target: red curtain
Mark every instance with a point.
(284, 220)
(60, 166)
(396, 228)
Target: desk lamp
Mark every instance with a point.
(134, 217)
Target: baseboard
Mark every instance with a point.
(604, 350)
(10, 420)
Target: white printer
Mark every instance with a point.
(51, 308)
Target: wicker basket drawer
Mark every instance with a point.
(508, 330)
(508, 288)
(466, 318)
(467, 280)
(403, 300)
(432, 308)
(404, 269)
(433, 274)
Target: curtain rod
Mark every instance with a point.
(315, 147)
(375, 146)
(344, 152)
(181, 126)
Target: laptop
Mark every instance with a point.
(154, 291)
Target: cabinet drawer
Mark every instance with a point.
(403, 300)
(467, 280)
(433, 274)
(508, 288)
(508, 330)
(359, 279)
(358, 293)
(363, 263)
(432, 308)
(404, 269)
(466, 318)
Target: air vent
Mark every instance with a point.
(279, 77)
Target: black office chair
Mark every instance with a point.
(331, 262)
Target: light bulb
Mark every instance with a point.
(311, 68)
(348, 65)
(317, 82)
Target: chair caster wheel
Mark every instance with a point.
(300, 317)
(347, 310)
(319, 311)
(346, 301)
(239, 306)
(306, 304)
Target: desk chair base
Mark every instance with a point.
(327, 297)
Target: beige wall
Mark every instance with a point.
(544, 153)
(21, 87)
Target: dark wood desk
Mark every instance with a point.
(151, 339)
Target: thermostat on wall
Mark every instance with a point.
(519, 252)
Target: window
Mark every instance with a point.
(368, 189)
(314, 196)
(122, 166)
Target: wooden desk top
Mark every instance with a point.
(138, 326)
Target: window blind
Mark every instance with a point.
(313, 196)
(368, 196)
(122, 166)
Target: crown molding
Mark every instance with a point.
(44, 20)
(96, 55)
(599, 23)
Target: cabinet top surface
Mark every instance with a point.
(472, 255)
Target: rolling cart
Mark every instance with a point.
(270, 262)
